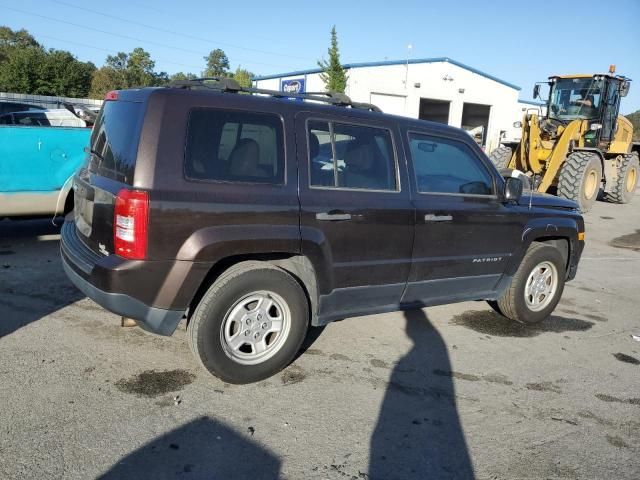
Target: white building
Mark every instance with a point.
(436, 89)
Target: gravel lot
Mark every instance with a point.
(445, 392)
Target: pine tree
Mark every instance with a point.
(333, 74)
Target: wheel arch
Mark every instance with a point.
(562, 244)
(298, 266)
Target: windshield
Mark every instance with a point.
(573, 98)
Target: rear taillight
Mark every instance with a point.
(130, 222)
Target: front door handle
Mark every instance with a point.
(430, 217)
(333, 216)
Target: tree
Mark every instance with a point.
(18, 39)
(634, 118)
(243, 77)
(33, 70)
(217, 64)
(63, 75)
(181, 76)
(104, 80)
(333, 74)
(126, 70)
(21, 68)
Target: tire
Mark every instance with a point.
(496, 308)
(501, 157)
(580, 179)
(625, 185)
(230, 307)
(516, 302)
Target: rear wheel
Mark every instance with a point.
(623, 189)
(250, 323)
(580, 179)
(537, 286)
(501, 157)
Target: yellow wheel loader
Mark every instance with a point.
(580, 147)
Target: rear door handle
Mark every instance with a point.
(333, 216)
(430, 217)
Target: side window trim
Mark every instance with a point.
(281, 123)
(474, 155)
(330, 121)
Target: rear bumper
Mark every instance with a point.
(83, 268)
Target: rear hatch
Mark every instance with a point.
(109, 168)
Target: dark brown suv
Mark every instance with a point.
(254, 217)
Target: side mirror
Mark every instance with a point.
(536, 91)
(624, 89)
(513, 189)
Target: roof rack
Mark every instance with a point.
(225, 84)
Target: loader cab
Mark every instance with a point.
(595, 98)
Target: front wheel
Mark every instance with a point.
(537, 286)
(250, 323)
(580, 179)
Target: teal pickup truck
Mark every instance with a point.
(36, 167)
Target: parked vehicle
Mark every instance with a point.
(9, 107)
(201, 203)
(57, 117)
(39, 152)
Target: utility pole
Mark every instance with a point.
(406, 70)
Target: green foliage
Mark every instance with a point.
(243, 77)
(217, 64)
(26, 67)
(182, 76)
(634, 118)
(126, 70)
(333, 74)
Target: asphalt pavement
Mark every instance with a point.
(445, 392)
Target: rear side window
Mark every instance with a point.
(443, 165)
(114, 140)
(233, 146)
(351, 156)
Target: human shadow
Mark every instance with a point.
(32, 281)
(202, 449)
(418, 434)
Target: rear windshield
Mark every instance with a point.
(114, 140)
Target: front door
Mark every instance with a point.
(611, 106)
(356, 213)
(465, 235)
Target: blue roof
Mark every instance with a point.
(393, 62)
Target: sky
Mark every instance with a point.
(520, 42)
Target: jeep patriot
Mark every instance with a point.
(254, 217)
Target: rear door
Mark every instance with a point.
(110, 167)
(356, 213)
(465, 235)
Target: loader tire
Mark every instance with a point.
(501, 157)
(625, 185)
(580, 179)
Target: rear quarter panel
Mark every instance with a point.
(36, 164)
(39, 158)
